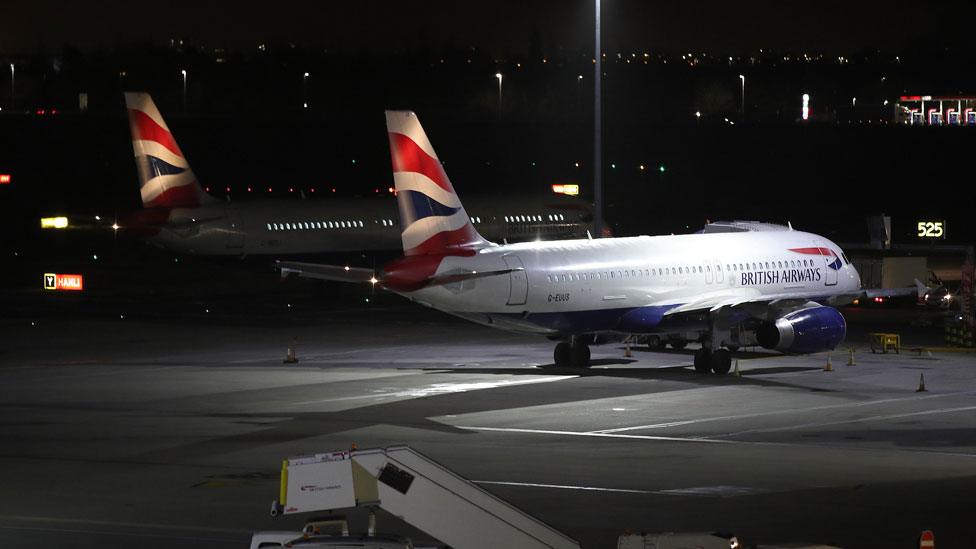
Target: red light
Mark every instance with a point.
(207, 189)
(54, 111)
(40, 112)
(269, 189)
(291, 189)
(312, 190)
(333, 189)
(390, 189)
(376, 190)
(228, 189)
(249, 189)
(4, 178)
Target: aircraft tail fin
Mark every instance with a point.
(434, 221)
(165, 177)
(921, 288)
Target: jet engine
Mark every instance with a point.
(811, 330)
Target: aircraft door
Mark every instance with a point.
(518, 282)
(719, 274)
(832, 264)
(235, 230)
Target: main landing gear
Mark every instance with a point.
(572, 354)
(718, 361)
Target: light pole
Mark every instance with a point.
(305, 91)
(498, 75)
(12, 80)
(183, 72)
(743, 78)
(597, 128)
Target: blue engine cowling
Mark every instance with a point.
(810, 330)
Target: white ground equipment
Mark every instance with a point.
(416, 489)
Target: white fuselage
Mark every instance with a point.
(295, 227)
(578, 286)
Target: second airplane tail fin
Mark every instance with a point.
(165, 177)
(434, 221)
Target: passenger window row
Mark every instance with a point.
(315, 225)
(533, 218)
(673, 271)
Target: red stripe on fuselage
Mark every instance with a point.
(813, 251)
(146, 222)
(407, 156)
(457, 242)
(147, 129)
(410, 274)
(184, 196)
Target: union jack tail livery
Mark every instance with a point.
(165, 177)
(434, 221)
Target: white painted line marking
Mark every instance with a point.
(563, 487)
(596, 435)
(776, 412)
(117, 524)
(127, 534)
(442, 389)
(696, 491)
(849, 421)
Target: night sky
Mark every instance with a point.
(506, 27)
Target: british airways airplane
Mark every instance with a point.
(179, 215)
(732, 285)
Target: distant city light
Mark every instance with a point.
(60, 222)
(806, 106)
(5, 178)
(567, 189)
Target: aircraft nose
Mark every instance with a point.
(855, 277)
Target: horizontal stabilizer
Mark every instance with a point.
(467, 275)
(338, 273)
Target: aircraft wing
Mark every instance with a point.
(717, 300)
(736, 297)
(338, 273)
(890, 292)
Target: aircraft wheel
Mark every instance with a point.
(580, 355)
(563, 354)
(703, 361)
(678, 343)
(656, 343)
(721, 361)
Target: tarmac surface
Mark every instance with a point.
(131, 429)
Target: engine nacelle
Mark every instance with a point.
(810, 330)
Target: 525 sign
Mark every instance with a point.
(931, 229)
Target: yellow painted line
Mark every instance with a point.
(283, 491)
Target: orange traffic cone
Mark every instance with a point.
(830, 366)
(921, 384)
(850, 360)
